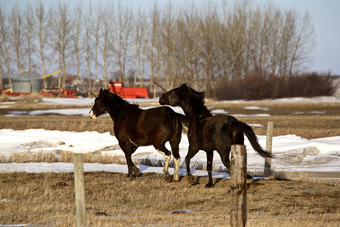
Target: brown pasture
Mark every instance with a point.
(307, 123)
(114, 200)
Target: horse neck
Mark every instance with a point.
(112, 110)
(119, 108)
(193, 110)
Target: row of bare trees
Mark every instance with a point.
(196, 44)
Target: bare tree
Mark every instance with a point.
(169, 35)
(286, 36)
(194, 45)
(77, 33)
(1, 69)
(274, 42)
(105, 16)
(139, 46)
(4, 41)
(127, 40)
(188, 44)
(210, 42)
(262, 34)
(153, 37)
(237, 34)
(87, 45)
(1, 73)
(95, 27)
(123, 38)
(42, 34)
(62, 32)
(28, 34)
(302, 44)
(15, 30)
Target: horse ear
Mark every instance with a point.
(202, 94)
(184, 85)
(101, 91)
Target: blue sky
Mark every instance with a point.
(324, 13)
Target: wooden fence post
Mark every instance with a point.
(269, 142)
(238, 176)
(79, 190)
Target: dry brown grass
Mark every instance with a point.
(114, 200)
(31, 98)
(4, 98)
(307, 125)
(58, 122)
(62, 156)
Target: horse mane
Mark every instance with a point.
(197, 100)
(120, 101)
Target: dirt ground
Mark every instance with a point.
(114, 200)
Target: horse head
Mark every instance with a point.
(173, 96)
(181, 95)
(99, 106)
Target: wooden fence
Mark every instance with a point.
(238, 177)
(79, 190)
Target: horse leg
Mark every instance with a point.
(226, 161)
(128, 149)
(191, 153)
(210, 155)
(136, 171)
(224, 154)
(175, 153)
(130, 166)
(167, 154)
(176, 176)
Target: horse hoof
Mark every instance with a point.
(175, 179)
(168, 178)
(136, 171)
(191, 179)
(209, 185)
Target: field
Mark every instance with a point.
(113, 200)
(308, 120)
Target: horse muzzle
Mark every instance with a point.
(162, 101)
(92, 115)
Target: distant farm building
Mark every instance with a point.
(27, 82)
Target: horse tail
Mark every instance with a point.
(182, 119)
(246, 129)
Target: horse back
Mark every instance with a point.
(164, 122)
(216, 131)
(145, 127)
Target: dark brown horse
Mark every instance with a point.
(134, 127)
(207, 132)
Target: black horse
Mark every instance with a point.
(134, 127)
(207, 132)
